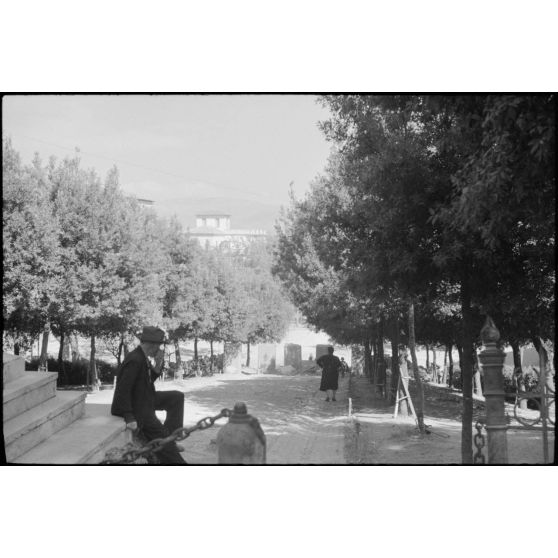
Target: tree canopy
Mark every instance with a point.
(80, 256)
(442, 202)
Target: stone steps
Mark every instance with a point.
(30, 428)
(44, 425)
(26, 391)
(12, 367)
(85, 441)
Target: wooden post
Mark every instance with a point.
(492, 361)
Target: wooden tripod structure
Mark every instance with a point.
(403, 385)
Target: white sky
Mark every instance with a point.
(167, 147)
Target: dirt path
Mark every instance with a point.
(300, 427)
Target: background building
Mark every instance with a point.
(213, 230)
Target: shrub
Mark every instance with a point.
(33, 364)
(457, 380)
(75, 372)
(530, 377)
(106, 371)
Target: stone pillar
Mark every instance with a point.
(293, 355)
(492, 361)
(266, 357)
(241, 440)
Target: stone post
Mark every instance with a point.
(492, 361)
(241, 441)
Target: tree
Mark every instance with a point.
(396, 213)
(30, 251)
(184, 287)
(269, 312)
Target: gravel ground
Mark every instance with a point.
(379, 439)
(301, 428)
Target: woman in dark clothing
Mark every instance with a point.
(330, 366)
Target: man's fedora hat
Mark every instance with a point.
(152, 334)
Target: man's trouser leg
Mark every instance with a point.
(152, 428)
(173, 403)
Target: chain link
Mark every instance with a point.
(479, 443)
(157, 444)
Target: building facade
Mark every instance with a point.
(213, 230)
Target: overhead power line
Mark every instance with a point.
(150, 169)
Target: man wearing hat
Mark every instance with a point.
(136, 400)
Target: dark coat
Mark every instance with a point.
(330, 365)
(134, 396)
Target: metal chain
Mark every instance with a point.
(479, 444)
(158, 443)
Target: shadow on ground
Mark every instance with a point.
(381, 439)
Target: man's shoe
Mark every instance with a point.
(327, 398)
(180, 448)
(334, 399)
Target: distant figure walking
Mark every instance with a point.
(344, 367)
(330, 366)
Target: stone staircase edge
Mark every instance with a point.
(11, 392)
(66, 402)
(106, 429)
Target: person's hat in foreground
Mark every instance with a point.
(152, 334)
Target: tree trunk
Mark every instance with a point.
(372, 347)
(394, 363)
(211, 347)
(450, 364)
(16, 347)
(375, 360)
(61, 367)
(367, 359)
(434, 369)
(460, 354)
(419, 407)
(74, 343)
(518, 373)
(404, 409)
(477, 376)
(382, 377)
(92, 376)
(61, 348)
(467, 374)
(66, 354)
(247, 354)
(546, 374)
(427, 359)
(196, 349)
(44, 348)
(445, 368)
(177, 354)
